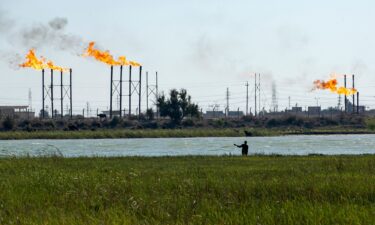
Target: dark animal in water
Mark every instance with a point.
(248, 133)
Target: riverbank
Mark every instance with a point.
(166, 133)
(188, 190)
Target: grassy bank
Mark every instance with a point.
(188, 190)
(164, 133)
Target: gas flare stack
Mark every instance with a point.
(117, 90)
(355, 105)
(332, 85)
(65, 93)
(116, 85)
(32, 61)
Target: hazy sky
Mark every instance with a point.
(204, 46)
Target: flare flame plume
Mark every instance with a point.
(331, 85)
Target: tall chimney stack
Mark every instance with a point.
(346, 98)
(353, 96)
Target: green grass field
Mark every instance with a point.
(188, 190)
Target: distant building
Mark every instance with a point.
(314, 110)
(296, 109)
(349, 106)
(235, 114)
(17, 112)
(213, 114)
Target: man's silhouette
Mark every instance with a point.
(244, 146)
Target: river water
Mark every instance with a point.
(283, 145)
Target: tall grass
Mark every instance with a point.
(188, 190)
(122, 133)
(164, 133)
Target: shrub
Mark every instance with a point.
(151, 125)
(114, 122)
(8, 123)
(150, 114)
(49, 124)
(188, 122)
(24, 123)
(95, 124)
(370, 123)
(272, 123)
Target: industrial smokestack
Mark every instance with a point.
(110, 100)
(353, 96)
(346, 99)
(52, 93)
(71, 92)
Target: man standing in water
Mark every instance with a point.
(245, 148)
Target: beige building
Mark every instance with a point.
(17, 112)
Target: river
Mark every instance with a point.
(283, 145)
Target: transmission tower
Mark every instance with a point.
(30, 100)
(247, 98)
(256, 94)
(87, 109)
(227, 97)
(274, 97)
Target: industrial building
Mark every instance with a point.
(17, 112)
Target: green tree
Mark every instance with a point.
(177, 106)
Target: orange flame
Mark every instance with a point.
(102, 56)
(106, 57)
(132, 63)
(122, 61)
(52, 66)
(332, 86)
(32, 61)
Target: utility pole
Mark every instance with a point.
(87, 109)
(317, 101)
(227, 113)
(247, 98)
(289, 102)
(255, 99)
(146, 90)
(259, 92)
(30, 100)
(157, 94)
(274, 97)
